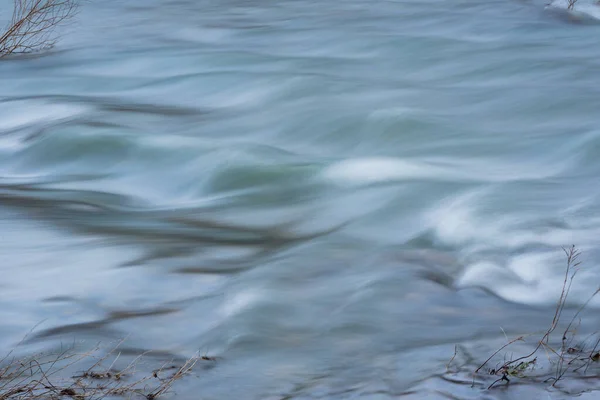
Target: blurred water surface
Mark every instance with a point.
(327, 194)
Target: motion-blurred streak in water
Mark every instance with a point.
(327, 195)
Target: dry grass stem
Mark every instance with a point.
(46, 376)
(569, 356)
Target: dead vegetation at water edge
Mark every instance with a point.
(567, 353)
(49, 376)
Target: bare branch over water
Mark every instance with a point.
(33, 24)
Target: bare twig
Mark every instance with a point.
(498, 351)
(33, 24)
(166, 385)
(568, 357)
(44, 376)
(452, 359)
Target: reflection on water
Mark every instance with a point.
(320, 193)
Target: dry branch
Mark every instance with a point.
(33, 24)
(46, 376)
(571, 4)
(568, 357)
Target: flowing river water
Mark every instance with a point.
(327, 195)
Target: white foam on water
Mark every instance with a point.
(486, 274)
(459, 220)
(22, 113)
(534, 279)
(369, 170)
(10, 144)
(581, 8)
(239, 302)
(531, 267)
(455, 221)
(378, 169)
(502, 281)
(504, 255)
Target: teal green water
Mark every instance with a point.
(319, 192)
